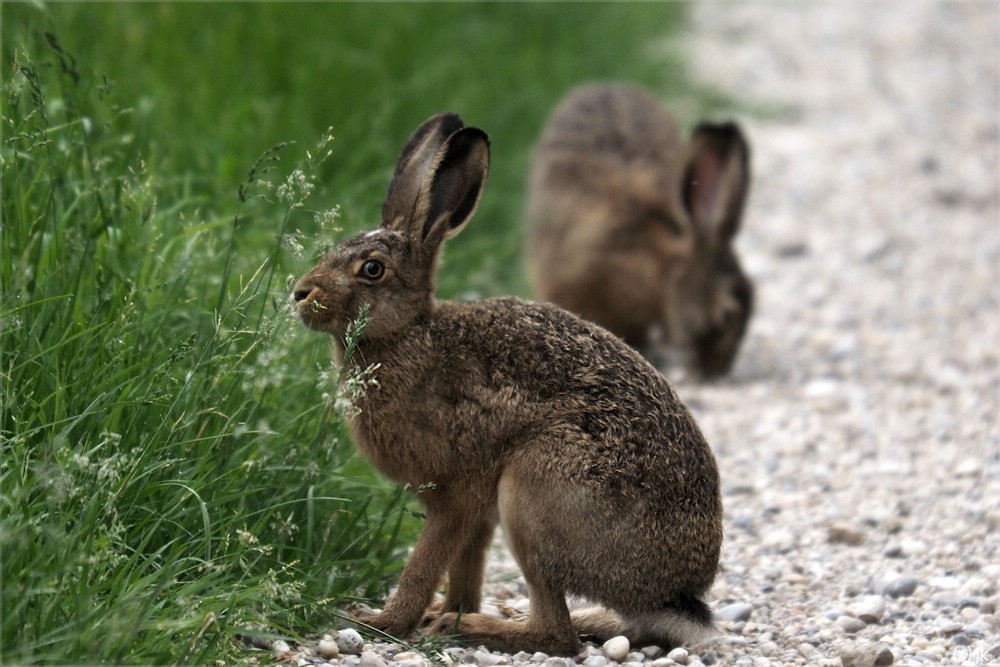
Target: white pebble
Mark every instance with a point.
(487, 659)
(349, 641)
(870, 609)
(850, 624)
(328, 648)
(280, 648)
(405, 656)
(617, 648)
(679, 655)
(371, 659)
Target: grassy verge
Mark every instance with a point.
(173, 472)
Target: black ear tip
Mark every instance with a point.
(721, 135)
(448, 123)
(470, 138)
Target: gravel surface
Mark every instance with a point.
(858, 435)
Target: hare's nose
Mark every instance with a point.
(301, 294)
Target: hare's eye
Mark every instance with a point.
(372, 269)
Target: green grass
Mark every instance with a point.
(173, 472)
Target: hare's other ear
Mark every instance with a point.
(453, 186)
(716, 178)
(414, 162)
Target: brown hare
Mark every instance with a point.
(633, 229)
(517, 413)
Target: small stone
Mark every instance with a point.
(893, 550)
(949, 628)
(843, 534)
(901, 586)
(328, 648)
(767, 649)
(279, 649)
(596, 661)
(349, 641)
(539, 657)
(781, 540)
(521, 656)
(944, 583)
(616, 648)
(865, 654)
(652, 652)
(738, 611)
(371, 659)
(679, 655)
(978, 628)
(947, 599)
(870, 609)
(912, 547)
(961, 639)
(487, 659)
(806, 650)
(405, 656)
(968, 467)
(834, 614)
(851, 625)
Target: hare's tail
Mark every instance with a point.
(685, 621)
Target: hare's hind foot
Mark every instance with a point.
(507, 636)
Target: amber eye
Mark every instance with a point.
(372, 269)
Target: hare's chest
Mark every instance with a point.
(396, 432)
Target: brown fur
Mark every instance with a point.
(633, 230)
(518, 413)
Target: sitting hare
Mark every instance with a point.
(517, 413)
(634, 231)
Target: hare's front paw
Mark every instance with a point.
(437, 623)
(388, 623)
(432, 614)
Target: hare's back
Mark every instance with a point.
(611, 122)
(567, 371)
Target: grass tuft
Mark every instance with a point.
(169, 482)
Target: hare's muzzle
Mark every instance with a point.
(305, 296)
(302, 294)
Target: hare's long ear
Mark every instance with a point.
(414, 162)
(437, 184)
(451, 190)
(716, 177)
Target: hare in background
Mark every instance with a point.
(517, 413)
(633, 229)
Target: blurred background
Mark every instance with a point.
(176, 475)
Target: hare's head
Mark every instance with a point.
(715, 296)
(434, 191)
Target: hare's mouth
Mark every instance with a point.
(311, 310)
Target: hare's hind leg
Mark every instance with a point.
(548, 627)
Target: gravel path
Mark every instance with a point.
(858, 436)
